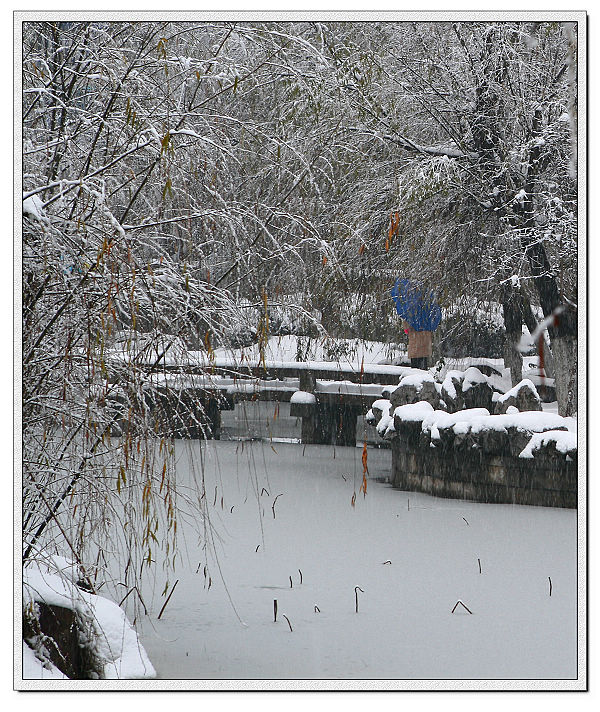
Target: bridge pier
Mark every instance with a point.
(332, 424)
(188, 414)
(327, 423)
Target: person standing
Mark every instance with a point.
(420, 345)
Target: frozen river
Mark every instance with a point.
(284, 527)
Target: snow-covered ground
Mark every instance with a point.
(294, 348)
(279, 350)
(413, 556)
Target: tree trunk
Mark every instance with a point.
(531, 323)
(562, 330)
(511, 307)
(565, 379)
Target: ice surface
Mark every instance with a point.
(404, 628)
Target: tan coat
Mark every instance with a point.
(419, 342)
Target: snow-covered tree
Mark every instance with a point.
(156, 195)
(475, 188)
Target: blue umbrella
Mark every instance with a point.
(416, 306)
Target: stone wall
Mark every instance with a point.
(445, 442)
(461, 471)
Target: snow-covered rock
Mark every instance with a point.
(476, 391)
(103, 628)
(414, 388)
(451, 391)
(553, 443)
(524, 397)
(502, 434)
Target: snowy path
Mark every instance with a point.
(404, 628)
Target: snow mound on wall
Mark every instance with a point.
(113, 641)
(303, 397)
(478, 419)
(565, 441)
(414, 412)
(417, 380)
(528, 421)
(432, 422)
(472, 377)
(543, 426)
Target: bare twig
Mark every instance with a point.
(136, 589)
(356, 590)
(300, 572)
(290, 625)
(274, 610)
(122, 601)
(550, 581)
(274, 502)
(168, 599)
(463, 605)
